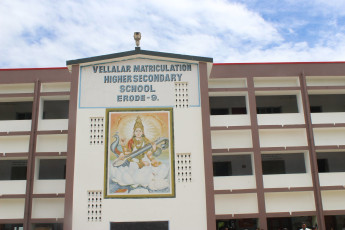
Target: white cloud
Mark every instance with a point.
(335, 7)
(294, 52)
(53, 31)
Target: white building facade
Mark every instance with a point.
(152, 140)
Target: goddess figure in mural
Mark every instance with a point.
(137, 168)
(137, 142)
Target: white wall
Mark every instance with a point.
(12, 208)
(327, 118)
(234, 182)
(52, 124)
(280, 119)
(48, 208)
(333, 200)
(15, 125)
(231, 139)
(186, 211)
(282, 137)
(227, 83)
(230, 120)
(16, 88)
(329, 136)
(325, 80)
(49, 186)
(56, 87)
(276, 82)
(288, 180)
(332, 179)
(14, 144)
(51, 143)
(236, 203)
(289, 201)
(12, 186)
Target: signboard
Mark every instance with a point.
(136, 83)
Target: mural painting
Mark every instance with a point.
(139, 154)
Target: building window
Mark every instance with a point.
(157, 225)
(55, 109)
(327, 103)
(290, 222)
(232, 165)
(335, 222)
(11, 226)
(228, 105)
(276, 104)
(16, 110)
(331, 162)
(52, 169)
(315, 109)
(287, 163)
(237, 224)
(53, 226)
(13, 169)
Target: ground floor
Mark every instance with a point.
(276, 223)
(282, 223)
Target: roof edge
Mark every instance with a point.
(138, 51)
(39, 68)
(278, 63)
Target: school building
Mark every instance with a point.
(152, 140)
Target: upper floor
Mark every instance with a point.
(280, 90)
(49, 88)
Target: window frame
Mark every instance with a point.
(302, 155)
(272, 108)
(243, 105)
(250, 171)
(328, 167)
(23, 173)
(42, 177)
(49, 116)
(27, 114)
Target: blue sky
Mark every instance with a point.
(45, 33)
